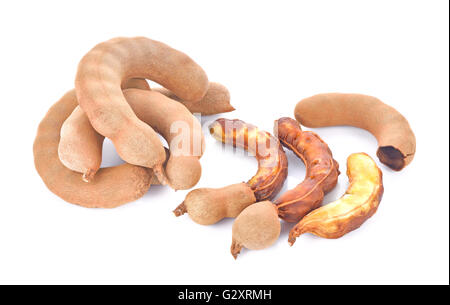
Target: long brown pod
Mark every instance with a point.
(322, 170)
(359, 203)
(98, 87)
(396, 140)
(112, 187)
(207, 206)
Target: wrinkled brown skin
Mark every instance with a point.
(359, 203)
(112, 187)
(322, 170)
(207, 205)
(272, 161)
(80, 146)
(98, 87)
(396, 140)
(216, 100)
(257, 227)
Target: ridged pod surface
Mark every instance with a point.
(322, 170)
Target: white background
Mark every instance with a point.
(270, 55)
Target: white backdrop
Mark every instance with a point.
(269, 55)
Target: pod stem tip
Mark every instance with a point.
(88, 175)
(180, 210)
(235, 249)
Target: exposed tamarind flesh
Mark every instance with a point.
(112, 187)
(257, 227)
(80, 146)
(272, 161)
(322, 170)
(208, 206)
(396, 140)
(183, 168)
(216, 100)
(359, 203)
(98, 87)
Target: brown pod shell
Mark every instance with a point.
(207, 206)
(359, 203)
(396, 140)
(216, 100)
(322, 170)
(257, 227)
(113, 186)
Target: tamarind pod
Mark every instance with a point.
(80, 146)
(322, 170)
(272, 161)
(359, 203)
(396, 140)
(182, 131)
(257, 227)
(207, 206)
(216, 100)
(112, 187)
(98, 87)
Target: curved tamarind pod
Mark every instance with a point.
(322, 170)
(359, 203)
(272, 161)
(396, 140)
(216, 100)
(207, 205)
(80, 146)
(112, 187)
(256, 228)
(98, 86)
(182, 131)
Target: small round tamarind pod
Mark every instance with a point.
(216, 100)
(359, 203)
(396, 140)
(98, 87)
(209, 205)
(322, 170)
(257, 227)
(112, 187)
(80, 146)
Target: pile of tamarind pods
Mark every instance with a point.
(112, 99)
